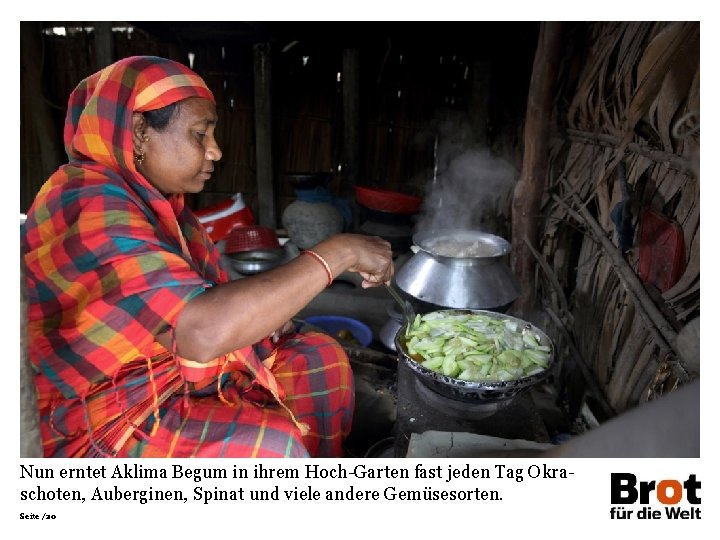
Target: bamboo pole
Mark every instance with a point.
(673, 160)
(262, 53)
(351, 121)
(592, 384)
(104, 44)
(530, 188)
(41, 160)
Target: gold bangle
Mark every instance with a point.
(322, 261)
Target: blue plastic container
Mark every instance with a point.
(333, 324)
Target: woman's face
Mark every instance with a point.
(180, 158)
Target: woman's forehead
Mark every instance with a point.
(197, 109)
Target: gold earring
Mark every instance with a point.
(146, 138)
(139, 157)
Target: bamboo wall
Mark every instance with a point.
(629, 93)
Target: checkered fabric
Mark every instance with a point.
(107, 272)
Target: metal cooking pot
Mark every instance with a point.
(459, 268)
(470, 391)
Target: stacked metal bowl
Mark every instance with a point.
(253, 249)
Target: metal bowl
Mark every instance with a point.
(256, 261)
(470, 391)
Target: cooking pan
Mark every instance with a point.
(471, 391)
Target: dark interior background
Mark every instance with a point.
(415, 80)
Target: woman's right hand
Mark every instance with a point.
(370, 256)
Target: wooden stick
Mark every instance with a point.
(673, 160)
(590, 380)
(528, 193)
(653, 317)
(553, 281)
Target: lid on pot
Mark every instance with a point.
(461, 243)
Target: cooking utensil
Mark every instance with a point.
(254, 262)
(407, 310)
(477, 276)
(471, 391)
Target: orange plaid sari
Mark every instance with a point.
(110, 264)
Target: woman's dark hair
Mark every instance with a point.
(160, 118)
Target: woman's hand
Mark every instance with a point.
(369, 256)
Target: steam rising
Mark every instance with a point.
(469, 188)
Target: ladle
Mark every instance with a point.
(407, 309)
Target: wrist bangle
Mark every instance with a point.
(322, 261)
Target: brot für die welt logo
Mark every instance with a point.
(680, 499)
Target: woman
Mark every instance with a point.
(141, 345)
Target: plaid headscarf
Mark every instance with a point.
(111, 262)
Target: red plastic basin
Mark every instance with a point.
(385, 200)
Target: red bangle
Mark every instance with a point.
(324, 263)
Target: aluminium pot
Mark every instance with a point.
(459, 268)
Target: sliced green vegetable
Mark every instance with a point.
(475, 347)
